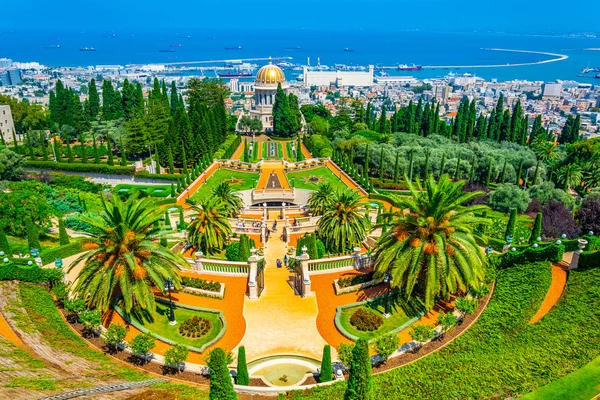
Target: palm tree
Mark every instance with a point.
(592, 176)
(124, 256)
(569, 175)
(544, 150)
(342, 225)
(321, 199)
(210, 227)
(431, 244)
(232, 200)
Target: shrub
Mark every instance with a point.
(142, 344)
(557, 220)
(386, 345)
(589, 259)
(91, 168)
(507, 196)
(366, 320)
(344, 351)
(201, 284)
(232, 251)
(50, 254)
(4, 245)
(588, 215)
(91, 319)
(552, 252)
(63, 236)
(176, 355)
(447, 320)
(195, 327)
(33, 274)
(466, 305)
(360, 382)
(163, 177)
(422, 333)
(114, 336)
(326, 369)
(242, 377)
(355, 280)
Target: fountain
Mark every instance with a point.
(283, 370)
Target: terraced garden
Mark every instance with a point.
(310, 178)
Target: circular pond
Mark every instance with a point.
(283, 370)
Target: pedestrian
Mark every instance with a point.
(278, 262)
(285, 260)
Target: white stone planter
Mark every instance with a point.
(355, 288)
(220, 294)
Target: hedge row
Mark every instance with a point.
(48, 255)
(227, 149)
(165, 177)
(34, 274)
(79, 167)
(589, 259)
(384, 197)
(553, 253)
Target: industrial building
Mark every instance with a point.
(338, 78)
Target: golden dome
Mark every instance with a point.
(269, 75)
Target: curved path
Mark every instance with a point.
(557, 287)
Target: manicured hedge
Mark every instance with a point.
(165, 177)
(11, 271)
(79, 167)
(552, 253)
(589, 259)
(49, 254)
(384, 197)
(227, 149)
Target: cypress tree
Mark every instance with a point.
(173, 194)
(44, 146)
(443, 164)
(488, 176)
(426, 165)
(168, 221)
(30, 146)
(326, 369)
(503, 174)
(96, 152)
(366, 167)
(84, 156)
(123, 155)
(360, 381)
(397, 167)
(457, 171)
(171, 164)
(69, 152)
(410, 166)
(182, 224)
(512, 222)
(242, 377)
(111, 159)
(4, 245)
(93, 99)
(179, 185)
(381, 165)
(535, 174)
(244, 247)
(184, 161)
(536, 231)
(472, 173)
(63, 236)
(221, 387)
(520, 171)
(33, 240)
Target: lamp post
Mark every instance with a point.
(386, 279)
(169, 287)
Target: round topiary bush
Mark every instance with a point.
(195, 327)
(365, 320)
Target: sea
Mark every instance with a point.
(329, 47)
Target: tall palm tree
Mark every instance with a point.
(321, 199)
(232, 200)
(210, 227)
(544, 150)
(342, 225)
(124, 256)
(569, 175)
(431, 245)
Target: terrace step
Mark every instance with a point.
(104, 389)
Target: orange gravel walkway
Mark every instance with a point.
(557, 286)
(328, 303)
(231, 306)
(266, 170)
(283, 149)
(237, 154)
(305, 151)
(8, 333)
(193, 188)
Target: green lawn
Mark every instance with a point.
(582, 384)
(254, 152)
(300, 179)
(288, 149)
(401, 313)
(149, 190)
(239, 181)
(161, 327)
(265, 150)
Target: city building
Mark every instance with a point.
(551, 90)
(6, 63)
(10, 77)
(265, 88)
(7, 126)
(338, 78)
(234, 85)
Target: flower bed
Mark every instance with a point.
(355, 283)
(195, 327)
(365, 320)
(209, 286)
(354, 280)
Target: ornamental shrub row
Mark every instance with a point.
(11, 271)
(165, 177)
(75, 167)
(50, 254)
(355, 280)
(201, 284)
(228, 147)
(552, 253)
(589, 259)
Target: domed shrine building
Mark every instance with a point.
(265, 87)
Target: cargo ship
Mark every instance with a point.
(53, 46)
(233, 48)
(348, 50)
(175, 46)
(404, 67)
(166, 51)
(293, 48)
(87, 49)
(234, 74)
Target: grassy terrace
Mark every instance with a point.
(149, 190)
(161, 327)
(302, 179)
(278, 150)
(239, 181)
(501, 355)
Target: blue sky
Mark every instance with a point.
(507, 15)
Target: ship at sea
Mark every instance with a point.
(87, 49)
(234, 74)
(348, 50)
(53, 46)
(233, 48)
(175, 46)
(166, 51)
(293, 48)
(413, 67)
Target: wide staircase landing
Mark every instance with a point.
(280, 321)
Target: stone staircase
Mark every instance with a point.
(103, 389)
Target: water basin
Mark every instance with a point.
(283, 370)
